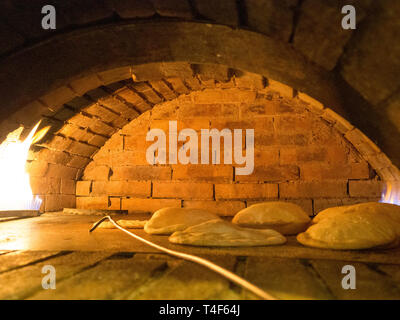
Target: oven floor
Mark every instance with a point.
(108, 264)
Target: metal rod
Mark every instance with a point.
(208, 264)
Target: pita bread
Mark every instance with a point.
(127, 224)
(392, 211)
(284, 217)
(169, 220)
(223, 234)
(361, 226)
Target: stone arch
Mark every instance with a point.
(155, 42)
(119, 176)
(119, 41)
(367, 85)
(77, 137)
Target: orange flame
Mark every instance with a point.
(15, 189)
(392, 193)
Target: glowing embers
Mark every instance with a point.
(391, 194)
(15, 189)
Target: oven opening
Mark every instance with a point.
(265, 143)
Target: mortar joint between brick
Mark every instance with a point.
(103, 106)
(141, 95)
(278, 188)
(110, 124)
(188, 86)
(159, 94)
(122, 100)
(88, 130)
(213, 195)
(72, 89)
(170, 86)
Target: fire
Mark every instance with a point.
(392, 193)
(15, 189)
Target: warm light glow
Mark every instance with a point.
(15, 188)
(392, 193)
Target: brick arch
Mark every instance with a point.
(116, 41)
(347, 167)
(87, 112)
(370, 86)
(57, 163)
(80, 126)
(153, 43)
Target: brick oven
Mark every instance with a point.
(313, 158)
(323, 108)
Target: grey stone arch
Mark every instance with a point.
(43, 71)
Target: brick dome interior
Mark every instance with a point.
(324, 104)
(108, 69)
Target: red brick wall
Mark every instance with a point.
(298, 157)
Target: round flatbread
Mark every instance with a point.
(221, 233)
(391, 210)
(168, 220)
(351, 227)
(284, 217)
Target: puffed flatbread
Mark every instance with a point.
(168, 220)
(392, 211)
(128, 224)
(221, 233)
(363, 226)
(284, 217)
